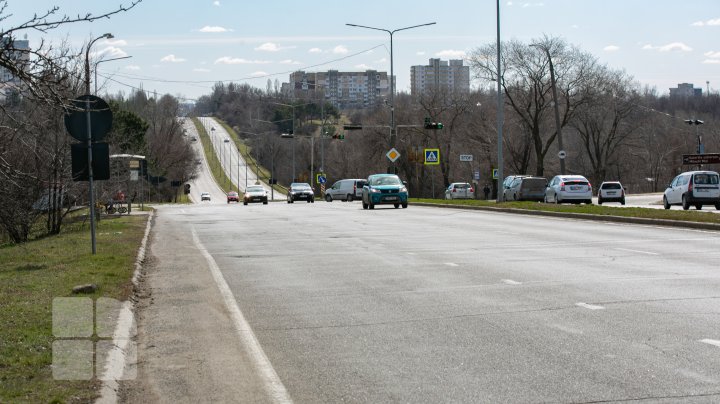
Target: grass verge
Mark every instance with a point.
(646, 213)
(31, 275)
(215, 168)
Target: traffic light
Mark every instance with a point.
(432, 125)
(339, 136)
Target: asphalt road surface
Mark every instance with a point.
(328, 302)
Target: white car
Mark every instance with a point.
(459, 190)
(569, 188)
(693, 188)
(205, 196)
(255, 193)
(611, 191)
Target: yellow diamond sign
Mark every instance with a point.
(393, 155)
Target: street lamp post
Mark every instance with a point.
(89, 140)
(393, 133)
(103, 61)
(499, 195)
(561, 152)
(700, 148)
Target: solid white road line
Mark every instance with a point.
(272, 383)
(511, 282)
(589, 306)
(452, 264)
(637, 251)
(711, 342)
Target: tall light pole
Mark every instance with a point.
(499, 110)
(89, 139)
(103, 61)
(700, 148)
(393, 131)
(561, 151)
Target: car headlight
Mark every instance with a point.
(374, 190)
(403, 189)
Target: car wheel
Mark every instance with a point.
(349, 198)
(405, 205)
(545, 199)
(245, 203)
(312, 200)
(717, 206)
(265, 202)
(698, 207)
(397, 205)
(371, 206)
(365, 205)
(666, 204)
(622, 201)
(685, 203)
(328, 198)
(557, 200)
(589, 201)
(600, 201)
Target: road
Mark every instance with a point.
(427, 305)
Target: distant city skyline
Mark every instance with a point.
(184, 47)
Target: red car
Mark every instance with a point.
(233, 196)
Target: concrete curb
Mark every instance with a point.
(122, 337)
(584, 216)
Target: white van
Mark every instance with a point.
(693, 188)
(345, 190)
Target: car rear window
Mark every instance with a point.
(576, 182)
(708, 179)
(611, 186)
(461, 186)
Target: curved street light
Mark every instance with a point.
(103, 61)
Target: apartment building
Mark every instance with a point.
(685, 90)
(344, 90)
(18, 52)
(451, 76)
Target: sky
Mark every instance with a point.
(184, 47)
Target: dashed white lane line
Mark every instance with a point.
(511, 282)
(711, 342)
(589, 306)
(637, 251)
(452, 264)
(270, 378)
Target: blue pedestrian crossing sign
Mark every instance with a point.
(495, 173)
(432, 156)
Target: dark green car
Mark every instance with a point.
(384, 189)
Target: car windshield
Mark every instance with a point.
(255, 189)
(300, 187)
(390, 180)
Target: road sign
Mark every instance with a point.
(477, 175)
(393, 155)
(562, 154)
(466, 157)
(432, 157)
(495, 173)
(100, 118)
(710, 158)
(100, 161)
(320, 178)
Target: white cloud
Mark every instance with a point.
(710, 23)
(381, 60)
(132, 67)
(259, 74)
(363, 66)
(227, 60)
(611, 48)
(116, 42)
(673, 46)
(712, 54)
(526, 5)
(216, 3)
(449, 53)
(111, 52)
(421, 53)
(340, 50)
(214, 29)
(201, 70)
(315, 50)
(268, 47)
(711, 61)
(172, 58)
(289, 62)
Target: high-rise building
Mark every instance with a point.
(18, 52)
(450, 76)
(685, 90)
(344, 90)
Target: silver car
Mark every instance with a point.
(569, 188)
(459, 190)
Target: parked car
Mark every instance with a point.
(611, 191)
(300, 191)
(226, 140)
(569, 188)
(524, 188)
(205, 196)
(506, 184)
(233, 196)
(255, 193)
(693, 188)
(459, 190)
(345, 190)
(384, 189)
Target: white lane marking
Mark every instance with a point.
(711, 342)
(589, 306)
(452, 264)
(410, 253)
(637, 251)
(272, 383)
(511, 282)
